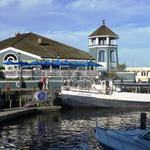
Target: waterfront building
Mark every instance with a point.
(33, 47)
(103, 47)
(142, 74)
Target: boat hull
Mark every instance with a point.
(121, 140)
(94, 102)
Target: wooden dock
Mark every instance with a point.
(7, 115)
(47, 108)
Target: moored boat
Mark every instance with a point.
(102, 95)
(132, 139)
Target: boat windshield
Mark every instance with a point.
(147, 136)
(97, 82)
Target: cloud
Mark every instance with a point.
(134, 57)
(78, 39)
(4, 3)
(115, 8)
(92, 4)
(72, 21)
(133, 45)
(134, 36)
(24, 4)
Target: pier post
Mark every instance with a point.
(143, 121)
(20, 99)
(32, 93)
(10, 102)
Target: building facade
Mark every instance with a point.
(103, 47)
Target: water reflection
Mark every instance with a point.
(69, 130)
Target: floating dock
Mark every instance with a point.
(7, 115)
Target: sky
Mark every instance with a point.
(71, 21)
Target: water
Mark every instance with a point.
(68, 130)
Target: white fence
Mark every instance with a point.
(49, 73)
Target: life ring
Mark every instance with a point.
(18, 84)
(40, 95)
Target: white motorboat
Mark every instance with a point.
(103, 95)
(132, 139)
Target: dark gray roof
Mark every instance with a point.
(47, 48)
(104, 30)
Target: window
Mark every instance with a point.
(112, 56)
(112, 41)
(101, 56)
(102, 41)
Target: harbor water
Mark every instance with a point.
(67, 130)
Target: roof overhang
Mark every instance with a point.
(117, 37)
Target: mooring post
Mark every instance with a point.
(33, 92)
(20, 99)
(143, 121)
(10, 103)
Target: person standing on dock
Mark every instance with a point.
(43, 83)
(40, 85)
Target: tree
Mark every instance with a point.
(121, 67)
(112, 74)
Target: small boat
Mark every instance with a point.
(102, 95)
(132, 139)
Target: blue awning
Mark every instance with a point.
(65, 63)
(21, 63)
(93, 64)
(78, 64)
(46, 63)
(35, 63)
(56, 63)
(16, 63)
(8, 62)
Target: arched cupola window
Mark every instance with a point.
(101, 56)
(10, 57)
(112, 56)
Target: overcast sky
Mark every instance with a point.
(71, 21)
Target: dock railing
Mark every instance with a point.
(15, 98)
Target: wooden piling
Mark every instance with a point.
(143, 121)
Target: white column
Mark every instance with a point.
(107, 40)
(115, 42)
(90, 42)
(97, 41)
